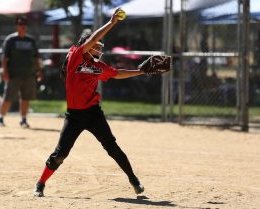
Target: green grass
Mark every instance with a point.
(45, 106)
(142, 109)
(131, 108)
(109, 107)
(203, 110)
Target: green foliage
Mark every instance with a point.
(60, 3)
(75, 20)
(67, 3)
(107, 2)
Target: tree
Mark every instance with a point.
(75, 20)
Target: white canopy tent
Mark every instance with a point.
(18, 6)
(227, 13)
(156, 8)
(133, 8)
(59, 16)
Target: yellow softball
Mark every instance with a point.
(121, 15)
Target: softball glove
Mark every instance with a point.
(156, 64)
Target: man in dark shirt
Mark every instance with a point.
(21, 63)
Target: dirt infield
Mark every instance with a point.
(180, 167)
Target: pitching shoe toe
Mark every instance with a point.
(39, 188)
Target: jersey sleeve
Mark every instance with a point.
(7, 47)
(73, 57)
(108, 72)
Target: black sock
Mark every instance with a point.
(134, 180)
(23, 119)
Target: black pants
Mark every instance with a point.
(93, 120)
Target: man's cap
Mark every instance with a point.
(21, 20)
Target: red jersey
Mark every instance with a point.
(82, 79)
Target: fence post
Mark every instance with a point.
(239, 67)
(98, 22)
(245, 66)
(181, 86)
(166, 88)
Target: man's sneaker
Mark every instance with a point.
(38, 192)
(24, 124)
(138, 188)
(2, 124)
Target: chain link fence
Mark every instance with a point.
(209, 89)
(207, 74)
(205, 84)
(215, 80)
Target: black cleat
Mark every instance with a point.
(38, 192)
(2, 124)
(24, 124)
(138, 188)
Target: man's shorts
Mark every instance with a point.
(24, 87)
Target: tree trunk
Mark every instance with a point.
(76, 21)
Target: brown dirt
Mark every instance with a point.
(180, 167)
